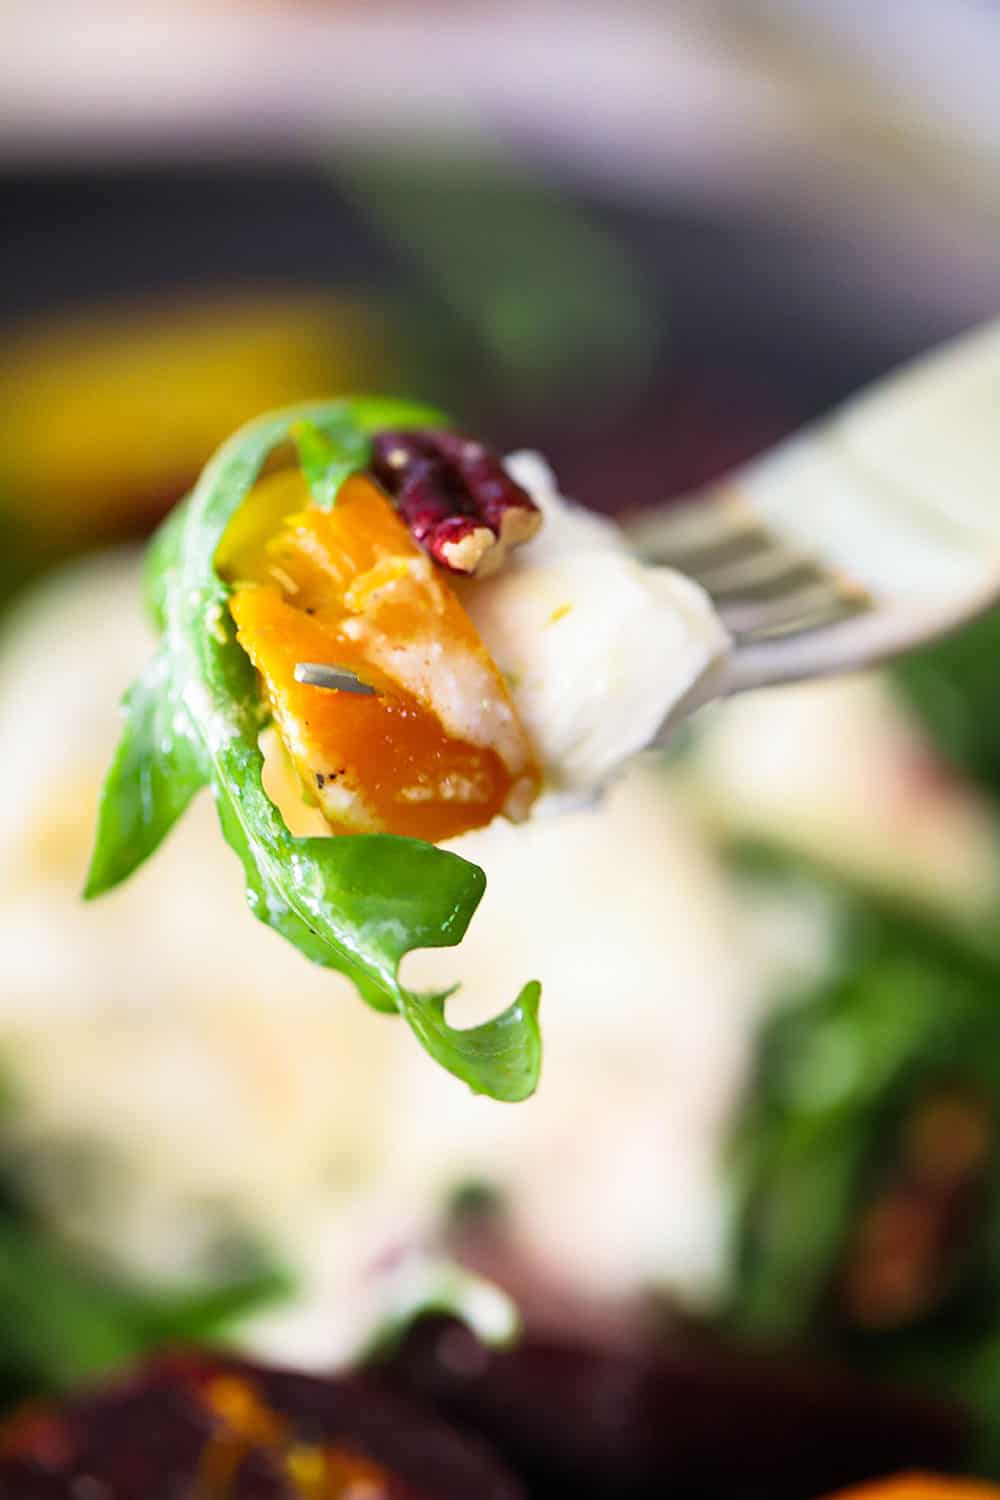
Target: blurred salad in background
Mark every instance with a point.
(771, 961)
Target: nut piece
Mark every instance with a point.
(459, 502)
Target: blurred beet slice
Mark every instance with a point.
(689, 1422)
(194, 1428)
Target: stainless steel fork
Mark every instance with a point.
(863, 536)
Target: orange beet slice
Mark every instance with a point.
(439, 749)
(921, 1487)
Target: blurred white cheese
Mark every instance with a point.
(603, 653)
(220, 1080)
(841, 771)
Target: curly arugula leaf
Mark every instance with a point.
(158, 767)
(357, 903)
(327, 463)
(509, 1047)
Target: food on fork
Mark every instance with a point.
(434, 746)
(373, 627)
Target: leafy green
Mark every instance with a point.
(66, 1316)
(157, 769)
(905, 1001)
(558, 306)
(358, 903)
(161, 560)
(906, 1006)
(65, 1319)
(325, 463)
(509, 1047)
(954, 685)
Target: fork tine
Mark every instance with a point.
(741, 546)
(836, 612)
(763, 576)
(761, 587)
(690, 527)
(826, 599)
(857, 538)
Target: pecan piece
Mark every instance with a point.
(504, 506)
(456, 497)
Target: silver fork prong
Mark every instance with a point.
(740, 547)
(742, 538)
(689, 527)
(834, 612)
(765, 569)
(762, 587)
(825, 595)
(858, 538)
(334, 679)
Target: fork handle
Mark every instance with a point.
(892, 503)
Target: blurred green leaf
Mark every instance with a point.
(908, 1004)
(954, 688)
(63, 1319)
(558, 303)
(66, 1316)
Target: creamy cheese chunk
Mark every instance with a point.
(221, 1086)
(603, 653)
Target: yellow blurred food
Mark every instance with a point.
(107, 416)
(921, 1487)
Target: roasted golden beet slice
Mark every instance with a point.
(221, 1430)
(922, 1487)
(438, 748)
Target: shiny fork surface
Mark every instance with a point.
(863, 536)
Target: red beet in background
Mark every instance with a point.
(699, 1421)
(194, 1428)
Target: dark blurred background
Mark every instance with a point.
(646, 237)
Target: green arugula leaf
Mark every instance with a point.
(952, 685)
(160, 562)
(325, 463)
(64, 1318)
(158, 767)
(69, 1315)
(358, 903)
(907, 1002)
(505, 1053)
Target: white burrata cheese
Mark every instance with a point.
(603, 653)
(841, 771)
(220, 1080)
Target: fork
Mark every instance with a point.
(863, 536)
